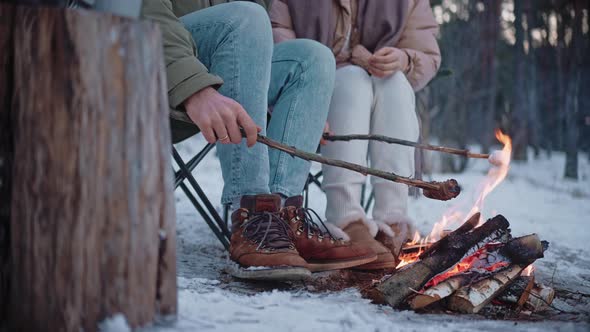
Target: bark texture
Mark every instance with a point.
(93, 220)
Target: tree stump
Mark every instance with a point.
(92, 231)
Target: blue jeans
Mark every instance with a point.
(295, 78)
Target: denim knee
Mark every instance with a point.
(315, 57)
(250, 18)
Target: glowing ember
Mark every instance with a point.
(481, 261)
(454, 217)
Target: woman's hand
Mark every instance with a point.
(326, 131)
(388, 60)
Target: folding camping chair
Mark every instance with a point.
(202, 204)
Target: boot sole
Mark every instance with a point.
(269, 274)
(339, 265)
(376, 266)
(384, 264)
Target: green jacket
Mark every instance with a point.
(185, 73)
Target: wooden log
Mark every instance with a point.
(530, 248)
(413, 277)
(6, 155)
(540, 297)
(473, 298)
(93, 220)
(518, 293)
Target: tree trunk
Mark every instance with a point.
(572, 95)
(489, 34)
(520, 116)
(6, 156)
(92, 224)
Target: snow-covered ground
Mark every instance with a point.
(534, 198)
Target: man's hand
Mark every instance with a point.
(220, 118)
(388, 60)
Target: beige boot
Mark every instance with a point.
(359, 235)
(401, 233)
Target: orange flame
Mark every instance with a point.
(500, 161)
(528, 271)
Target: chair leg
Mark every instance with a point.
(369, 201)
(222, 238)
(193, 182)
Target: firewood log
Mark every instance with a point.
(472, 298)
(528, 247)
(540, 296)
(413, 277)
(518, 293)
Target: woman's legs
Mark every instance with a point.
(350, 112)
(394, 115)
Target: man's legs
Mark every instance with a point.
(302, 77)
(234, 41)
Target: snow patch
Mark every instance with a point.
(116, 323)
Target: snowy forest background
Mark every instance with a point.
(522, 66)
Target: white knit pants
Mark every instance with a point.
(362, 104)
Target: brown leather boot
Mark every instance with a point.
(319, 248)
(403, 232)
(261, 242)
(359, 234)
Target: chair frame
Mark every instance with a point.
(202, 204)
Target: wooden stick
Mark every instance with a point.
(436, 190)
(391, 140)
(430, 186)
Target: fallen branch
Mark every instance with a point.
(391, 140)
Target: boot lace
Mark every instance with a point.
(268, 230)
(313, 225)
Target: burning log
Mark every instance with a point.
(518, 293)
(480, 265)
(442, 255)
(472, 298)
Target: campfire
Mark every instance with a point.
(477, 264)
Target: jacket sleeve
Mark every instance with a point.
(419, 42)
(185, 73)
(280, 18)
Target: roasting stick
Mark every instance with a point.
(436, 190)
(391, 140)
